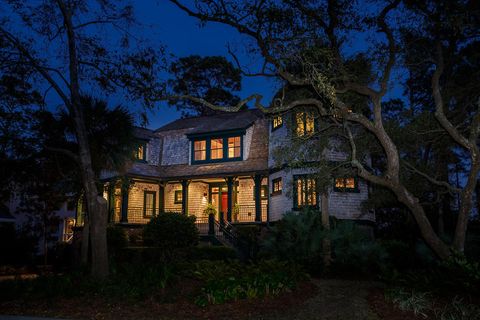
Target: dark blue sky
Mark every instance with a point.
(182, 37)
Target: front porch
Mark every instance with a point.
(236, 199)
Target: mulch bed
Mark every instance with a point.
(386, 310)
(172, 303)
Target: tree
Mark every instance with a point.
(339, 77)
(69, 27)
(213, 77)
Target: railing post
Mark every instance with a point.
(220, 217)
(258, 201)
(211, 224)
(161, 197)
(229, 198)
(125, 190)
(111, 200)
(185, 184)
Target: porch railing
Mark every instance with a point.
(246, 213)
(202, 225)
(138, 215)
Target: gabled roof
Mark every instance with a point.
(143, 133)
(219, 122)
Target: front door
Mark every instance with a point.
(224, 204)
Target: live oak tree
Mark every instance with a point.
(61, 42)
(212, 77)
(341, 74)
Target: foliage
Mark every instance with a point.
(249, 240)
(457, 309)
(417, 302)
(116, 239)
(17, 246)
(424, 304)
(232, 281)
(456, 275)
(213, 78)
(152, 255)
(210, 209)
(169, 231)
(130, 281)
(299, 237)
(354, 249)
(210, 253)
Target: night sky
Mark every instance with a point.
(182, 37)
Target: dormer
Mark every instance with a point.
(214, 147)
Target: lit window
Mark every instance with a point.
(264, 192)
(305, 192)
(304, 123)
(277, 122)
(299, 117)
(277, 186)
(200, 150)
(346, 184)
(216, 149)
(140, 152)
(149, 198)
(234, 147)
(178, 197)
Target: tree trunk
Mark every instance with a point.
(466, 205)
(326, 245)
(85, 242)
(441, 224)
(426, 229)
(96, 208)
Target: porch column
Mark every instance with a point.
(185, 184)
(161, 197)
(124, 209)
(111, 200)
(229, 198)
(258, 197)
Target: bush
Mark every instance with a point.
(353, 249)
(409, 300)
(207, 253)
(232, 281)
(170, 231)
(299, 237)
(116, 239)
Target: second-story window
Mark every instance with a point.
(346, 184)
(304, 123)
(234, 147)
(216, 149)
(200, 150)
(277, 122)
(140, 154)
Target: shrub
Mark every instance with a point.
(297, 237)
(170, 231)
(300, 237)
(232, 281)
(410, 300)
(207, 253)
(116, 239)
(353, 249)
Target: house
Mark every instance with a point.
(226, 160)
